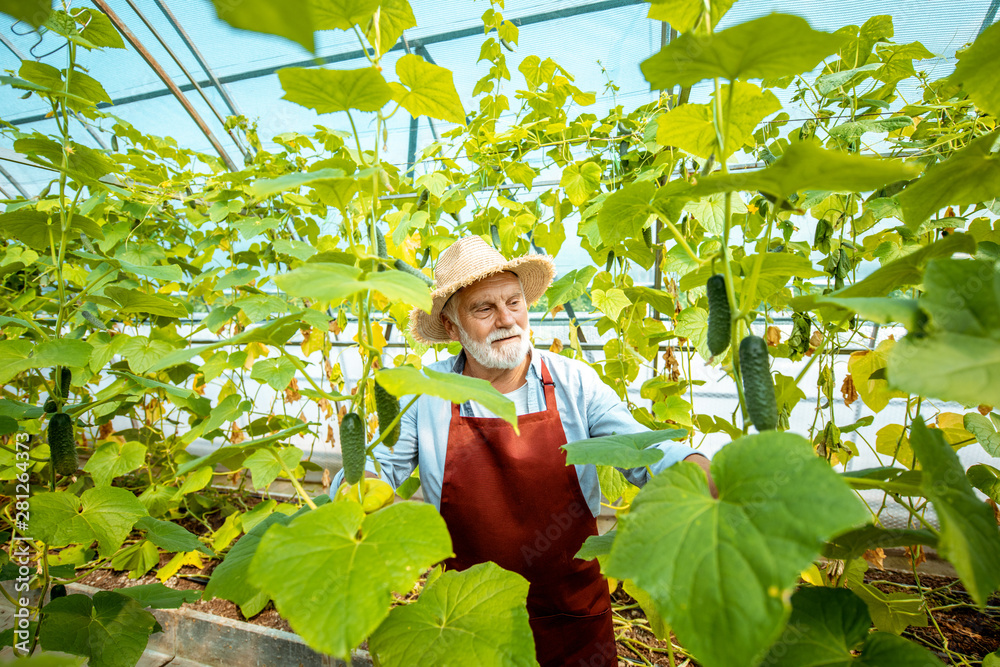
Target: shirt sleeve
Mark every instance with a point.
(397, 463)
(607, 414)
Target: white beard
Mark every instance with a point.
(509, 356)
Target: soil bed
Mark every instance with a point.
(965, 631)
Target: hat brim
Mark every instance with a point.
(535, 272)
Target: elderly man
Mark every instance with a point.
(506, 497)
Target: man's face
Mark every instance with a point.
(492, 321)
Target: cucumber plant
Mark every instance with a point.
(129, 254)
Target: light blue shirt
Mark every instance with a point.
(587, 407)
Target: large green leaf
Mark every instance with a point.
(276, 332)
(624, 213)
(105, 514)
(684, 15)
(474, 617)
(291, 19)
(266, 187)
(111, 629)
(264, 467)
(963, 296)
(968, 176)
(399, 286)
(976, 70)
(690, 127)
(908, 270)
(985, 431)
(429, 90)
(452, 387)
(229, 580)
(342, 14)
(322, 281)
(723, 567)
(882, 310)
(17, 356)
(829, 628)
(33, 12)
(170, 536)
(39, 229)
(772, 46)
(949, 366)
(142, 353)
(580, 180)
(113, 459)
(134, 301)
(276, 373)
(329, 90)
(633, 450)
(969, 537)
(986, 479)
(806, 166)
(570, 286)
(332, 571)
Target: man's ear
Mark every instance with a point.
(449, 327)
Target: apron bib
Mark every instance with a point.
(512, 499)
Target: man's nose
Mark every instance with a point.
(505, 318)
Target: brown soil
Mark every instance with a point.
(968, 631)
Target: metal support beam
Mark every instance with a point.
(171, 86)
(357, 54)
(197, 56)
(6, 174)
(177, 61)
(411, 152)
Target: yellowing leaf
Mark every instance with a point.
(874, 392)
(580, 180)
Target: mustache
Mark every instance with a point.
(504, 333)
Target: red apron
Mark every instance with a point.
(512, 499)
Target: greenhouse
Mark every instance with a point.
(395, 332)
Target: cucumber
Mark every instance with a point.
(719, 318)
(427, 255)
(383, 252)
(50, 406)
(417, 273)
(387, 407)
(62, 444)
(65, 377)
(758, 387)
(495, 235)
(352, 446)
(611, 260)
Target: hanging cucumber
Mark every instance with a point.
(427, 255)
(352, 446)
(383, 252)
(62, 444)
(406, 268)
(758, 387)
(611, 260)
(387, 407)
(495, 235)
(719, 317)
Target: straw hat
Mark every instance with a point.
(466, 261)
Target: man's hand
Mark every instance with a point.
(705, 465)
(371, 494)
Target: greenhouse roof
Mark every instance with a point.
(215, 70)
